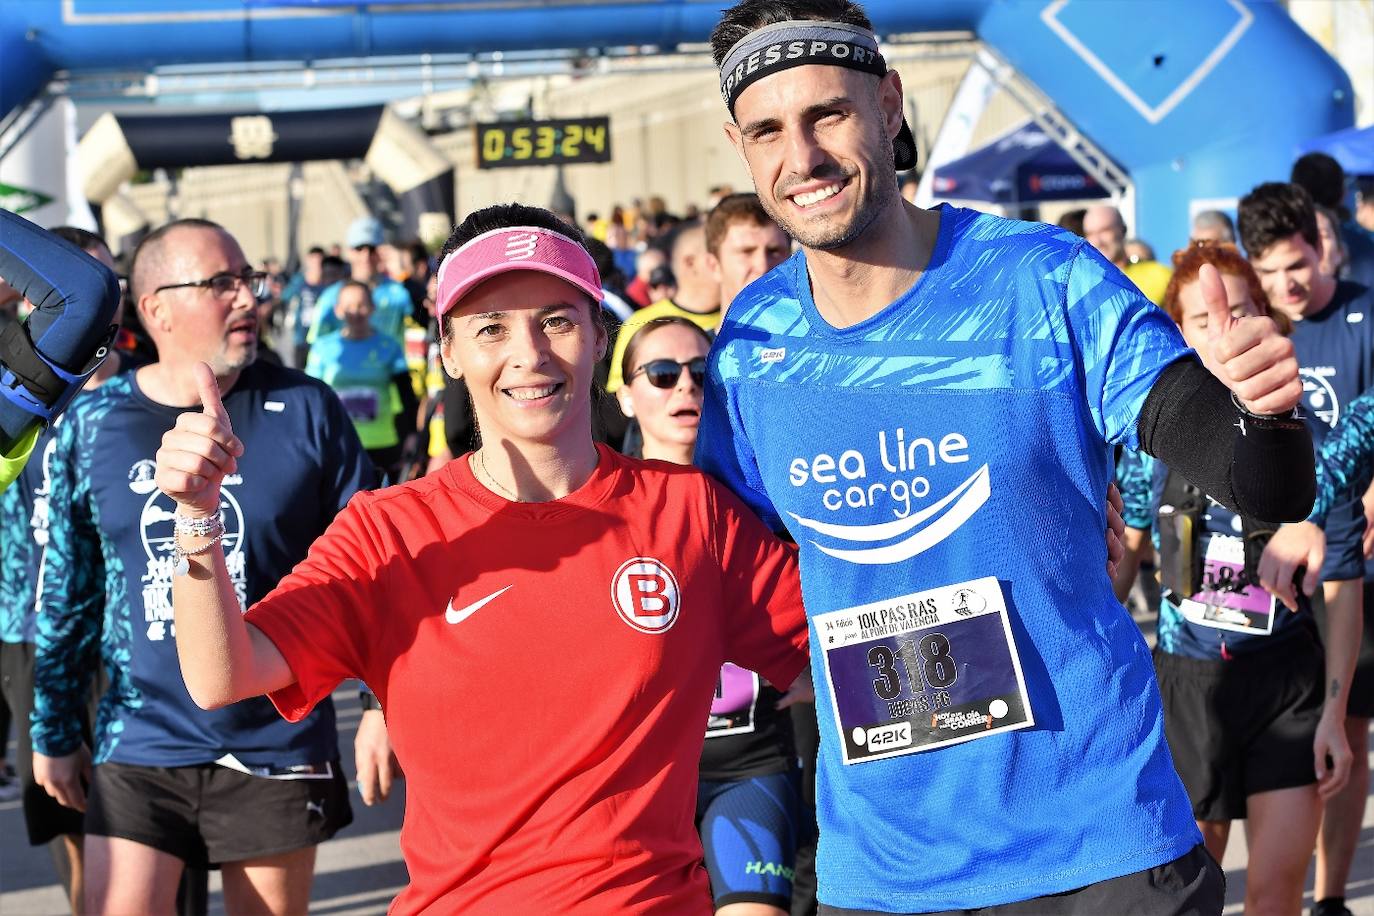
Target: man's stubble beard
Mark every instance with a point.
(878, 196)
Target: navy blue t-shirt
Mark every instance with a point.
(1142, 481)
(1335, 349)
(109, 566)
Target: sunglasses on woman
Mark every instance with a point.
(664, 373)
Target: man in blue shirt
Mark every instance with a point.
(1333, 332)
(392, 302)
(172, 785)
(928, 401)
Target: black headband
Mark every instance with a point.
(796, 43)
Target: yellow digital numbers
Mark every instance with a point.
(510, 144)
(595, 135)
(493, 144)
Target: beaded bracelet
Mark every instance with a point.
(182, 563)
(199, 527)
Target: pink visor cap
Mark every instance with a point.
(516, 248)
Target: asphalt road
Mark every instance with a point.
(361, 870)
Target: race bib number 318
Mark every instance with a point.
(923, 671)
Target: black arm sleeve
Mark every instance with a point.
(410, 405)
(1261, 467)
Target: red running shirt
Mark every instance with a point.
(545, 669)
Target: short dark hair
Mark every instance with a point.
(334, 262)
(151, 245)
(735, 208)
(1072, 220)
(1273, 212)
(503, 216)
(316, 249)
(605, 263)
(419, 251)
(1322, 177)
(357, 284)
(748, 16)
(81, 238)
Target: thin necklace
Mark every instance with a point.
(482, 460)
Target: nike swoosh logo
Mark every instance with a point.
(459, 616)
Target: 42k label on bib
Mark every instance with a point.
(923, 671)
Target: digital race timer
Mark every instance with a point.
(507, 144)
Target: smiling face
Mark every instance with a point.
(1290, 272)
(667, 417)
(818, 142)
(526, 344)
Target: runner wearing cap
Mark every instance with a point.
(929, 401)
(391, 301)
(542, 620)
(172, 785)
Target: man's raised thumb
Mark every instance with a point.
(209, 392)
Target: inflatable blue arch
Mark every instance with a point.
(1194, 98)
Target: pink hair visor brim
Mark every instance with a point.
(517, 248)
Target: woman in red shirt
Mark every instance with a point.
(542, 621)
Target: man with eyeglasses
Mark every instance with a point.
(174, 786)
(391, 302)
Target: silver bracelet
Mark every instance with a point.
(199, 527)
(181, 564)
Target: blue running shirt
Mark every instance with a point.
(361, 373)
(1346, 461)
(963, 432)
(390, 301)
(23, 534)
(1335, 349)
(108, 567)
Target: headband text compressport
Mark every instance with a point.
(784, 45)
(796, 43)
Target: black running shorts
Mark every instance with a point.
(207, 815)
(44, 818)
(1191, 885)
(1240, 727)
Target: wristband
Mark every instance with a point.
(199, 527)
(1290, 414)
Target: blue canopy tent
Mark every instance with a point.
(1023, 166)
(1353, 148)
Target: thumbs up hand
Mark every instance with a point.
(1248, 354)
(198, 451)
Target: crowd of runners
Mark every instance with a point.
(798, 589)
